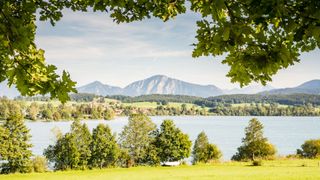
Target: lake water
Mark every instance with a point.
(286, 133)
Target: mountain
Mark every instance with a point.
(254, 89)
(98, 88)
(160, 84)
(10, 92)
(310, 87)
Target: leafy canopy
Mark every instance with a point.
(258, 37)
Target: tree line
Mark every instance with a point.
(99, 109)
(283, 99)
(140, 143)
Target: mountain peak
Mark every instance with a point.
(161, 84)
(158, 76)
(98, 88)
(96, 83)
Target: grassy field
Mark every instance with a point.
(154, 105)
(279, 169)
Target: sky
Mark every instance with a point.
(91, 47)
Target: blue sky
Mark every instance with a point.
(92, 47)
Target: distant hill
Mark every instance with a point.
(158, 84)
(98, 88)
(310, 87)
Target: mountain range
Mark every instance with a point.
(160, 84)
(310, 87)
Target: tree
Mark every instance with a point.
(259, 37)
(203, 151)
(40, 164)
(71, 151)
(172, 143)
(109, 114)
(33, 111)
(15, 146)
(104, 147)
(137, 136)
(310, 149)
(254, 144)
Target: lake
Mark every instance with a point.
(286, 133)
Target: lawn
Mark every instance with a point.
(279, 169)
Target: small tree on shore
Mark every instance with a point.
(104, 148)
(255, 145)
(310, 149)
(71, 151)
(172, 143)
(203, 151)
(15, 145)
(137, 137)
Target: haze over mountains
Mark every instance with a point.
(160, 84)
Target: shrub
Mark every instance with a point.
(310, 149)
(39, 164)
(257, 163)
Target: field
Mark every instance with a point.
(279, 169)
(154, 105)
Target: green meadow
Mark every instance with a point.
(277, 169)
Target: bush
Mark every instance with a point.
(257, 163)
(39, 164)
(310, 149)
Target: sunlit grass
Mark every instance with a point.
(278, 169)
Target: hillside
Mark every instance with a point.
(310, 87)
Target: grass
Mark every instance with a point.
(154, 105)
(142, 104)
(279, 169)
